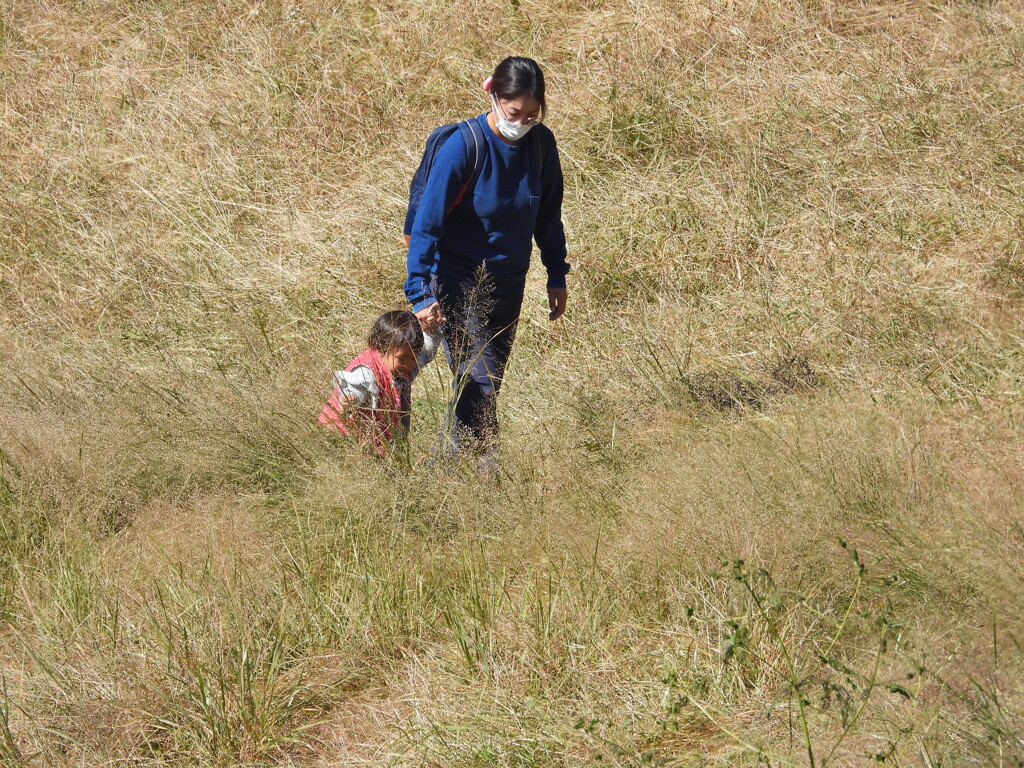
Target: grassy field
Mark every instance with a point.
(761, 497)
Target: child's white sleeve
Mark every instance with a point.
(431, 343)
(359, 384)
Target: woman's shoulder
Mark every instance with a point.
(454, 149)
(544, 130)
(544, 139)
(546, 135)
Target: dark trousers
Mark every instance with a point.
(478, 334)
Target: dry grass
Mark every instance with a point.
(761, 496)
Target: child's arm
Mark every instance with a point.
(431, 343)
(358, 387)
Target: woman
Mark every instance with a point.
(468, 258)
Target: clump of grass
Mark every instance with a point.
(723, 390)
(9, 750)
(1007, 273)
(249, 704)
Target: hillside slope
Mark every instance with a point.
(761, 496)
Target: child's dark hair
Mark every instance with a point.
(399, 328)
(518, 76)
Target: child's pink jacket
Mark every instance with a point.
(377, 425)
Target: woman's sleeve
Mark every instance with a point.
(443, 185)
(549, 231)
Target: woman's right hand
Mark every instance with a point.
(430, 318)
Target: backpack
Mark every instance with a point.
(473, 135)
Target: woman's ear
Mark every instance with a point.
(487, 84)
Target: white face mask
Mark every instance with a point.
(508, 129)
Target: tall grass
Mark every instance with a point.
(760, 496)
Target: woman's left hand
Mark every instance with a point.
(557, 297)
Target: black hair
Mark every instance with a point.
(516, 77)
(398, 328)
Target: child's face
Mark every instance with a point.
(401, 361)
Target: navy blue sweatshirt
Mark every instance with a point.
(510, 205)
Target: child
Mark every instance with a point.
(372, 397)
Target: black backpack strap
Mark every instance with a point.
(473, 137)
(475, 140)
(538, 153)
